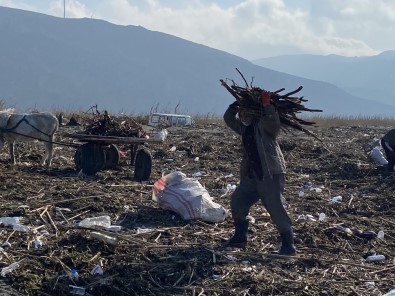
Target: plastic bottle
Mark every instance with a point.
(9, 220)
(20, 227)
(103, 221)
(375, 258)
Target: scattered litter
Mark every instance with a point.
(97, 270)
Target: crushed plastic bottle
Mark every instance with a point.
(20, 228)
(103, 221)
(10, 220)
(9, 268)
(77, 290)
(375, 258)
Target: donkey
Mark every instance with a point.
(28, 127)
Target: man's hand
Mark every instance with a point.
(265, 98)
(234, 105)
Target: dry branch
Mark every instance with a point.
(248, 98)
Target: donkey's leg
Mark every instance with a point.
(47, 158)
(12, 152)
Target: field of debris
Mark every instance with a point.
(158, 253)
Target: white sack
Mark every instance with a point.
(187, 197)
(378, 157)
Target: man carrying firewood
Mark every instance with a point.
(261, 173)
(388, 144)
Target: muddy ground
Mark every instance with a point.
(177, 257)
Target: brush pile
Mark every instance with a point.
(102, 124)
(287, 106)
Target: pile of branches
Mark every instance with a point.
(249, 99)
(103, 124)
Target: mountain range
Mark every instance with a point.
(370, 77)
(56, 63)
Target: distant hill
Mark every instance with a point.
(366, 77)
(72, 64)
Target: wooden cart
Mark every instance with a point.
(101, 152)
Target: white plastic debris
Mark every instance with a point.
(75, 290)
(10, 220)
(21, 228)
(103, 221)
(97, 270)
(9, 268)
(161, 135)
(380, 234)
(38, 244)
(321, 216)
(103, 237)
(337, 198)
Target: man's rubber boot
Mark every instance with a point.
(239, 238)
(287, 244)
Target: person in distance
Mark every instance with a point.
(388, 144)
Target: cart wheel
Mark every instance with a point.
(90, 157)
(143, 165)
(78, 158)
(112, 157)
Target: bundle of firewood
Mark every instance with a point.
(249, 99)
(105, 125)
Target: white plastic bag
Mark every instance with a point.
(161, 135)
(378, 157)
(187, 197)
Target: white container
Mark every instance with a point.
(20, 228)
(105, 238)
(103, 221)
(375, 258)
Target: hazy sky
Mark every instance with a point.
(251, 28)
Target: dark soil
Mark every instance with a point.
(179, 257)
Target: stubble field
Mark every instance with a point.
(157, 253)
